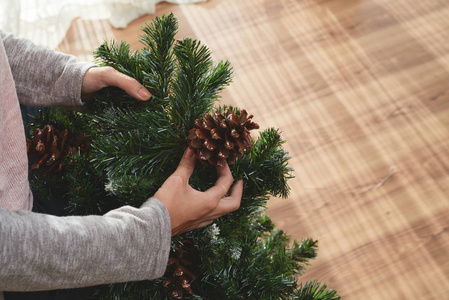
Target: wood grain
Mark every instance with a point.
(360, 92)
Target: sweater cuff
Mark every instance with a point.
(79, 69)
(165, 233)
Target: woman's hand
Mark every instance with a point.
(97, 78)
(190, 209)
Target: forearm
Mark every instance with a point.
(44, 77)
(42, 252)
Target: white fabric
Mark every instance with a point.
(46, 22)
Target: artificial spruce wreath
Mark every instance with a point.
(135, 146)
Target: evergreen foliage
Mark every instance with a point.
(137, 145)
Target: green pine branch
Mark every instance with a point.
(157, 57)
(75, 122)
(85, 188)
(134, 142)
(196, 84)
(314, 290)
(264, 170)
(119, 56)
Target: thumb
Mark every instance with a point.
(187, 164)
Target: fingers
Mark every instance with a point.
(226, 205)
(189, 208)
(131, 86)
(97, 78)
(230, 203)
(187, 164)
(223, 182)
(237, 192)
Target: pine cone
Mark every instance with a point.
(178, 276)
(221, 139)
(48, 147)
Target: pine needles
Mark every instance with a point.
(137, 145)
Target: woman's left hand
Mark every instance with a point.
(97, 78)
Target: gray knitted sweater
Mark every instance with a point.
(43, 252)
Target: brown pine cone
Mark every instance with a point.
(49, 146)
(221, 139)
(177, 275)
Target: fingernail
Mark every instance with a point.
(144, 94)
(189, 153)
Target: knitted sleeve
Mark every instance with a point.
(44, 252)
(44, 77)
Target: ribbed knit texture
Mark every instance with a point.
(44, 252)
(14, 189)
(34, 76)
